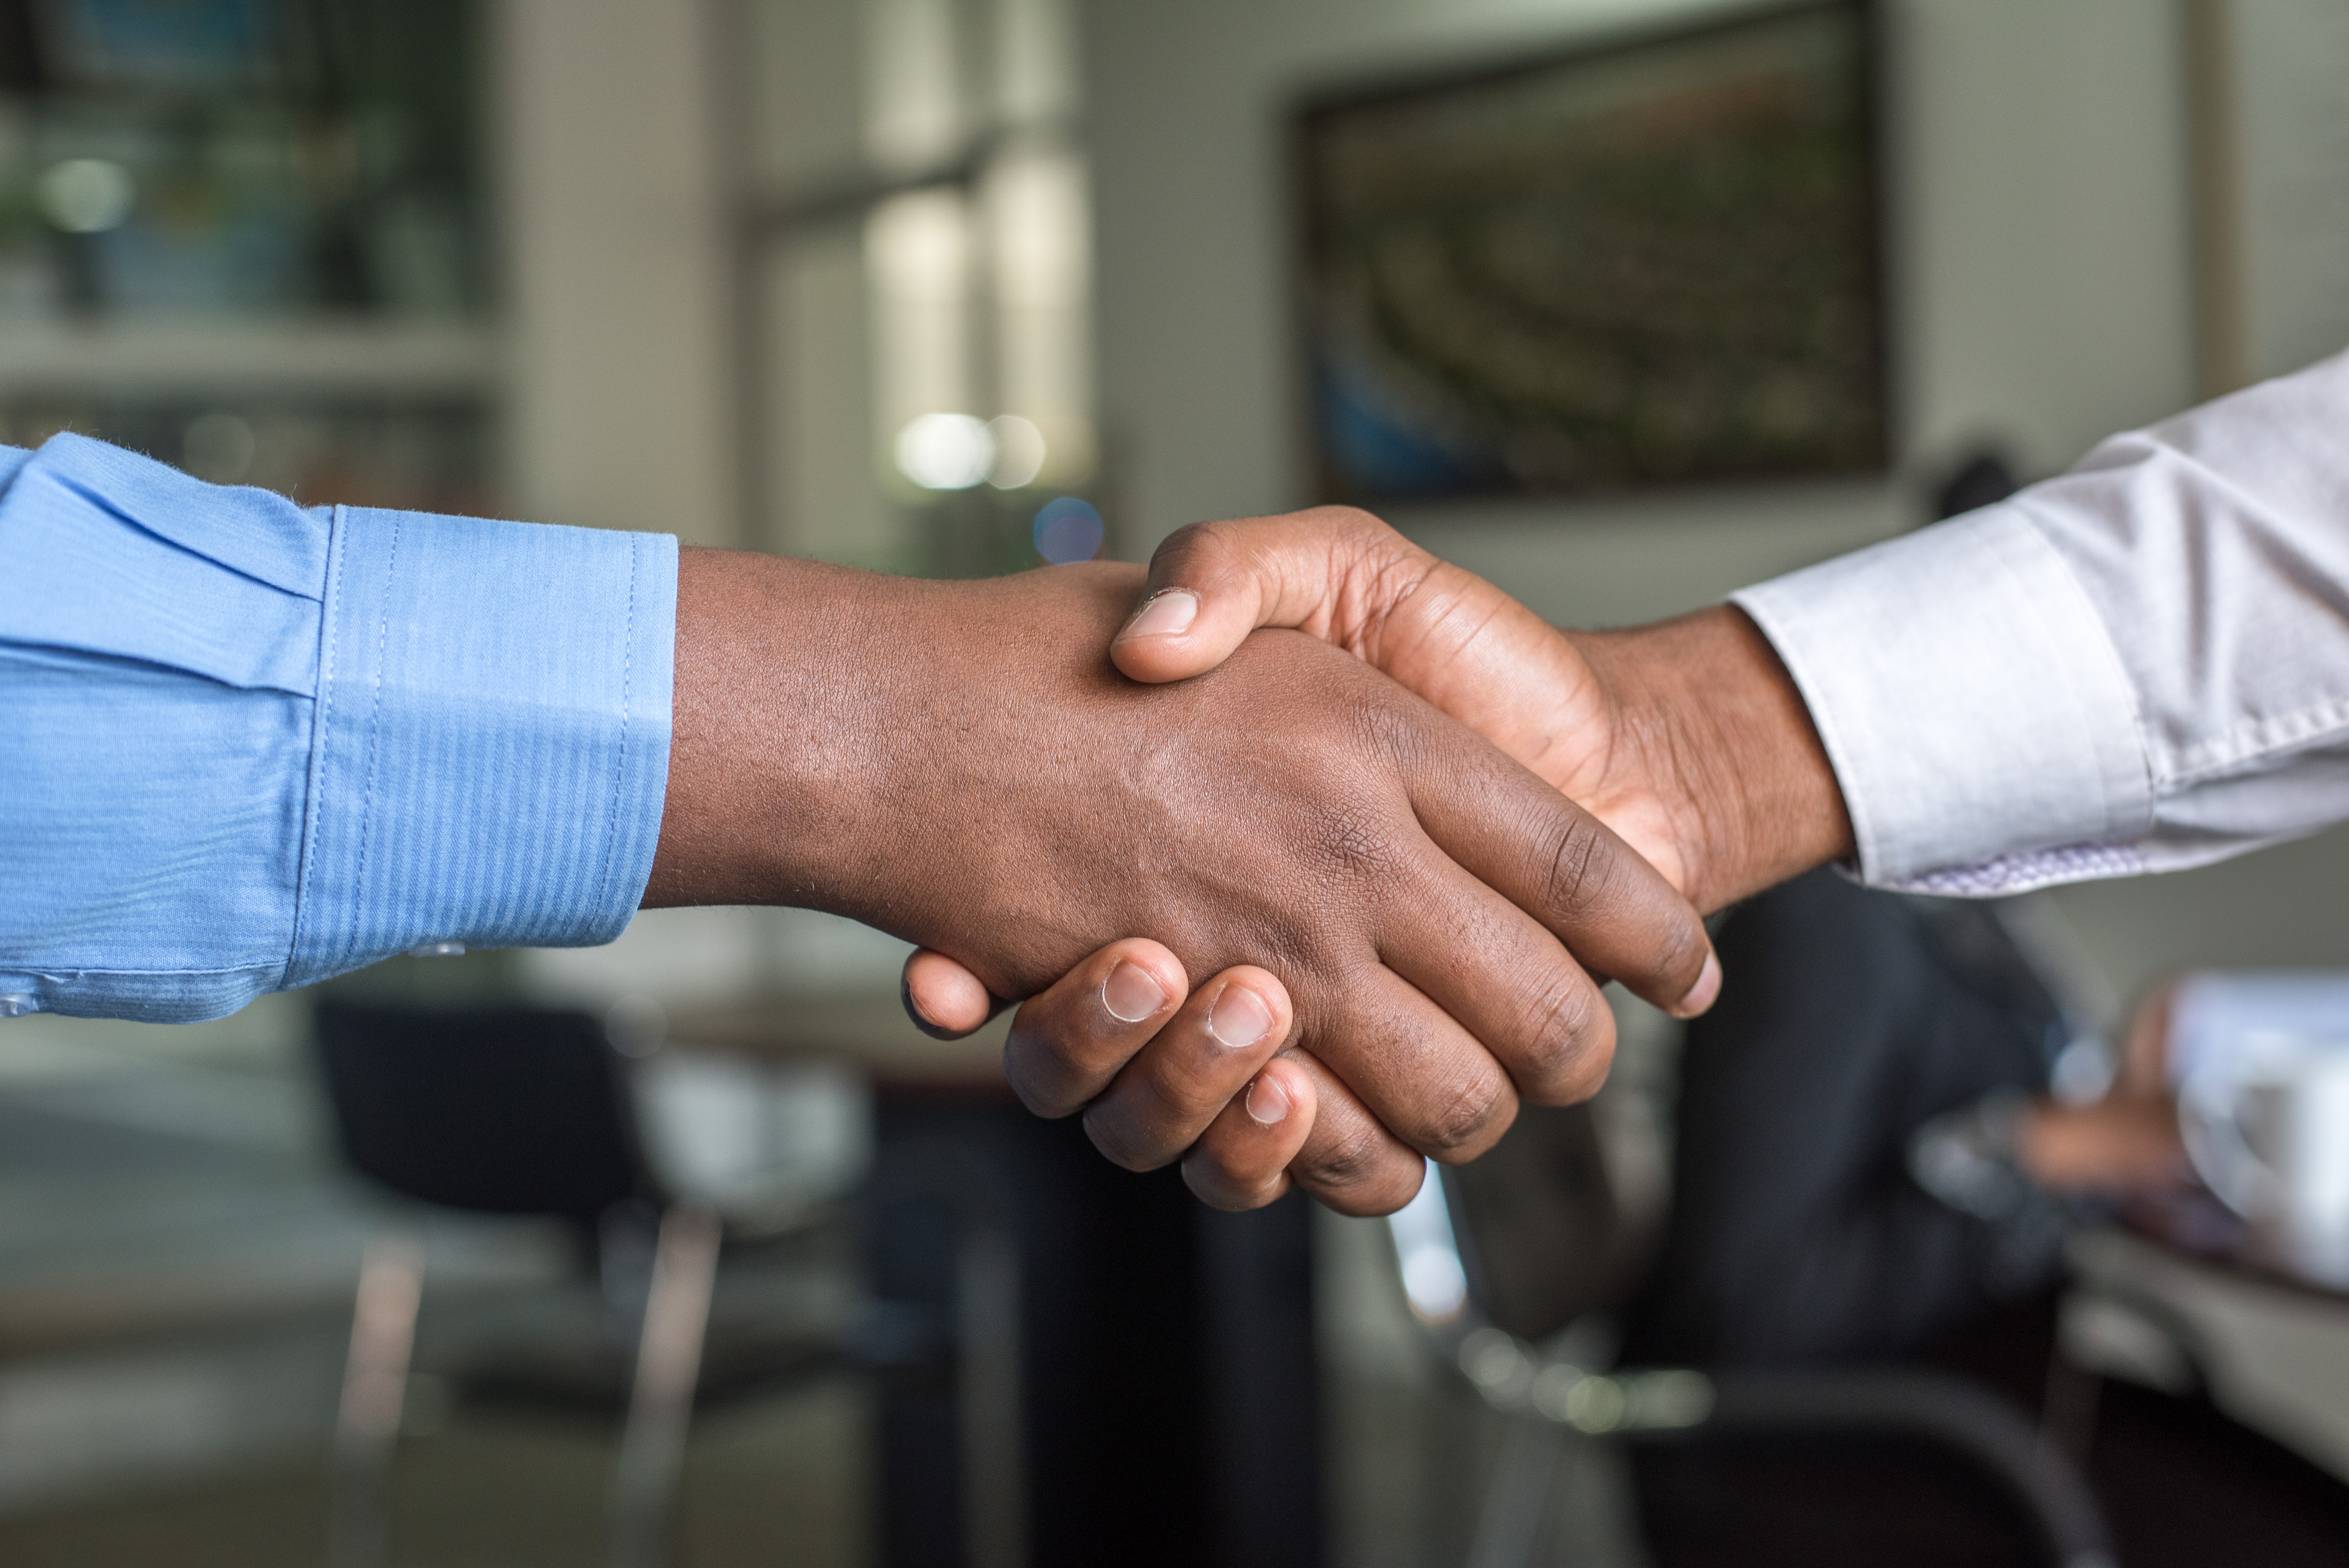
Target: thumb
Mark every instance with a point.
(945, 1000)
(1212, 583)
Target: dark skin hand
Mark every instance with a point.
(2126, 1143)
(1687, 738)
(959, 765)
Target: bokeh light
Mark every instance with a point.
(945, 451)
(218, 448)
(1019, 452)
(87, 195)
(1068, 530)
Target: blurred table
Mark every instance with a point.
(1156, 1357)
(2185, 1297)
(2196, 1226)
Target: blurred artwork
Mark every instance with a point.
(167, 45)
(1645, 264)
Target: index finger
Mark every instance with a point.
(1614, 911)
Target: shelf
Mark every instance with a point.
(231, 359)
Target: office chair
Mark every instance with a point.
(1510, 1277)
(527, 1112)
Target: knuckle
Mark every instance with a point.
(1055, 1067)
(1185, 1100)
(1384, 723)
(1043, 1103)
(1041, 1087)
(1355, 842)
(1341, 1158)
(1342, 519)
(1120, 1142)
(1681, 948)
(1570, 1045)
(1577, 880)
(1379, 1192)
(1191, 546)
(1468, 1119)
(1219, 1187)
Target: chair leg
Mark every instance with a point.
(661, 1405)
(374, 1387)
(1509, 1527)
(986, 1334)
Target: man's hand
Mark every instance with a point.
(2125, 1143)
(958, 764)
(1687, 738)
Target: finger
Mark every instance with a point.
(1350, 1162)
(1614, 911)
(1200, 1061)
(1212, 583)
(945, 1000)
(1432, 1085)
(1242, 1159)
(1503, 979)
(1067, 1042)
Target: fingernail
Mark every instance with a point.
(1165, 615)
(1240, 1017)
(1131, 995)
(1268, 1102)
(1700, 994)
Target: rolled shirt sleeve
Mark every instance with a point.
(246, 745)
(2140, 665)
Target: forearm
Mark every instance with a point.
(888, 750)
(768, 669)
(1710, 719)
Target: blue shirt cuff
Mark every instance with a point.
(491, 750)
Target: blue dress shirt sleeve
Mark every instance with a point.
(246, 745)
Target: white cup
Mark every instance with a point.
(2267, 1126)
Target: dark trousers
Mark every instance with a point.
(1848, 1018)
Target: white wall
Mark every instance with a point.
(614, 286)
(2039, 251)
(2292, 60)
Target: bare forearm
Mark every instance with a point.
(1711, 716)
(762, 645)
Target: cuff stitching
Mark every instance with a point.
(374, 750)
(620, 768)
(321, 729)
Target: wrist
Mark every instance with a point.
(835, 730)
(1710, 721)
(770, 792)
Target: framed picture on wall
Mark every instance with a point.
(1652, 263)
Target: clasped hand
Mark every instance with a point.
(1344, 1098)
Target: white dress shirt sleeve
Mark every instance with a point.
(2140, 665)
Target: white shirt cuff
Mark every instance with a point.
(1972, 704)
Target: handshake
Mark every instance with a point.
(1405, 827)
